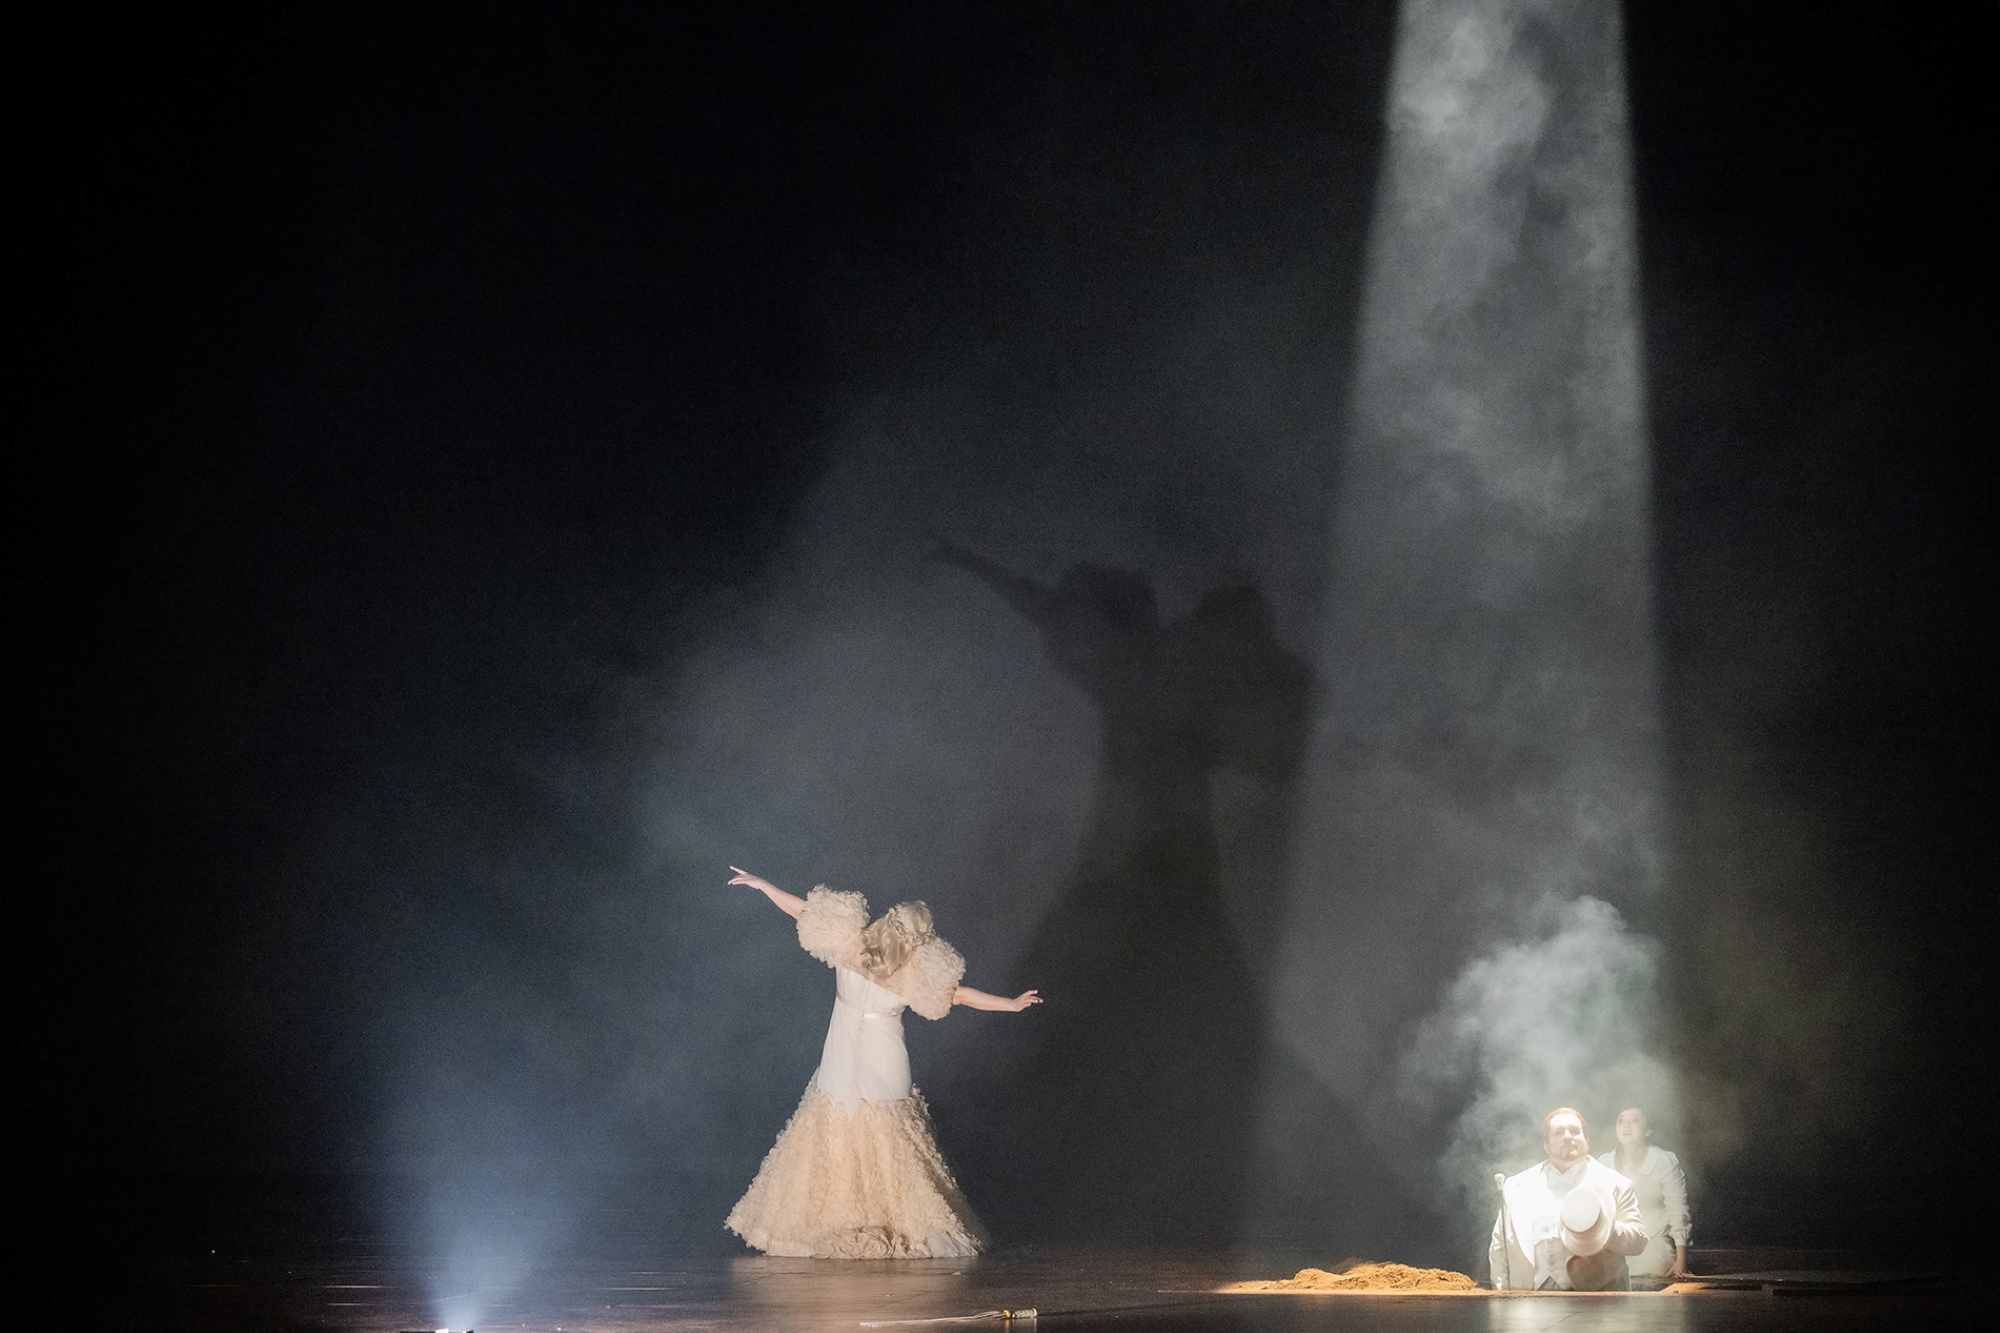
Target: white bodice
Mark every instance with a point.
(864, 1058)
(1661, 1188)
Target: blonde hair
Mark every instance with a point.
(890, 940)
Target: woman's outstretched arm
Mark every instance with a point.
(789, 903)
(979, 999)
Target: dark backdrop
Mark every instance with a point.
(1817, 313)
(397, 386)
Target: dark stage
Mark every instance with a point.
(1405, 564)
(364, 1290)
(320, 1257)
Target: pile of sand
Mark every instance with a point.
(1377, 1277)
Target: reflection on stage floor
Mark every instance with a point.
(373, 1290)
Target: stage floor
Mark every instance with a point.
(1070, 1289)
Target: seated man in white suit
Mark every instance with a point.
(1567, 1223)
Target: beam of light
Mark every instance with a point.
(1482, 802)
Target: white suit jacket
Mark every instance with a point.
(1527, 1248)
(1661, 1187)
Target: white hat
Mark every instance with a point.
(1586, 1220)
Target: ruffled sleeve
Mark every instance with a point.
(830, 927)
(928, 978)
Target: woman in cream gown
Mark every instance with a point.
(856, 1173)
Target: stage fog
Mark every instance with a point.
(1122, 505)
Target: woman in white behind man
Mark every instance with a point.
(1661, 1187)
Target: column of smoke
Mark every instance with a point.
(1563, 1017)
(1486, 767)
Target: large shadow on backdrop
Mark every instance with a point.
(1131, 1115)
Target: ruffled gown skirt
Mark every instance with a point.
(856, 1173)
(859, 1181)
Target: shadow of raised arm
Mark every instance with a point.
(1031, 599)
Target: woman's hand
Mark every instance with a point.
(1678, 1269)
(979, 999)
(790, 904)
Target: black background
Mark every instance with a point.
(383, 367)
